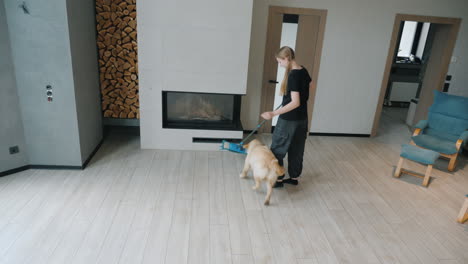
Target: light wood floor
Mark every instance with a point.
(155, 206)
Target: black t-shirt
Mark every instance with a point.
(298, 81)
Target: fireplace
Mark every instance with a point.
(208, 111)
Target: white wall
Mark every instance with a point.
(11, 126)
(184, 45)
(82, 28)
(357, 37)
(42, 54)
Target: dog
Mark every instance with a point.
(264, 165)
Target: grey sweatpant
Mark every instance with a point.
(289, 137)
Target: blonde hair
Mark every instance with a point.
(285, 53)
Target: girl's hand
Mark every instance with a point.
(267, 115)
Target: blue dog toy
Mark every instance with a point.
(238, 148)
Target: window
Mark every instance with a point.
(413, 39)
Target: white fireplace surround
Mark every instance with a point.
(189, 49)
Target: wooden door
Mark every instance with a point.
(309, 41)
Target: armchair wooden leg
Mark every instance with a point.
(463, 215)
(452, 162)
(398, 169)
(427, 177)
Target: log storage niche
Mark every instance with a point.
(118, 62)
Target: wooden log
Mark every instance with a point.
(117, 21)
(126, 39)
(130, 102)
(123, 94)
(108, 113)
(132, 24)
(127, 46)
(105, 15)
(107, 24)
(107, 39)
(128, 29)
(113, 7)
(108, 90)
(127, 65)
(111, 29)
(123, 114)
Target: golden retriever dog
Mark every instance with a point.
(264, 166)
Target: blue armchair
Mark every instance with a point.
(446, 129)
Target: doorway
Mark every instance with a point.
(417, 63)
(302, 29)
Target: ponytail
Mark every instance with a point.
(285, 53)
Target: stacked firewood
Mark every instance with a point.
(118, 62)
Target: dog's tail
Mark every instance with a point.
(278, 168)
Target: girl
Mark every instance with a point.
(290, 132)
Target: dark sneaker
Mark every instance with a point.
(291, 181)
(278, 184)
